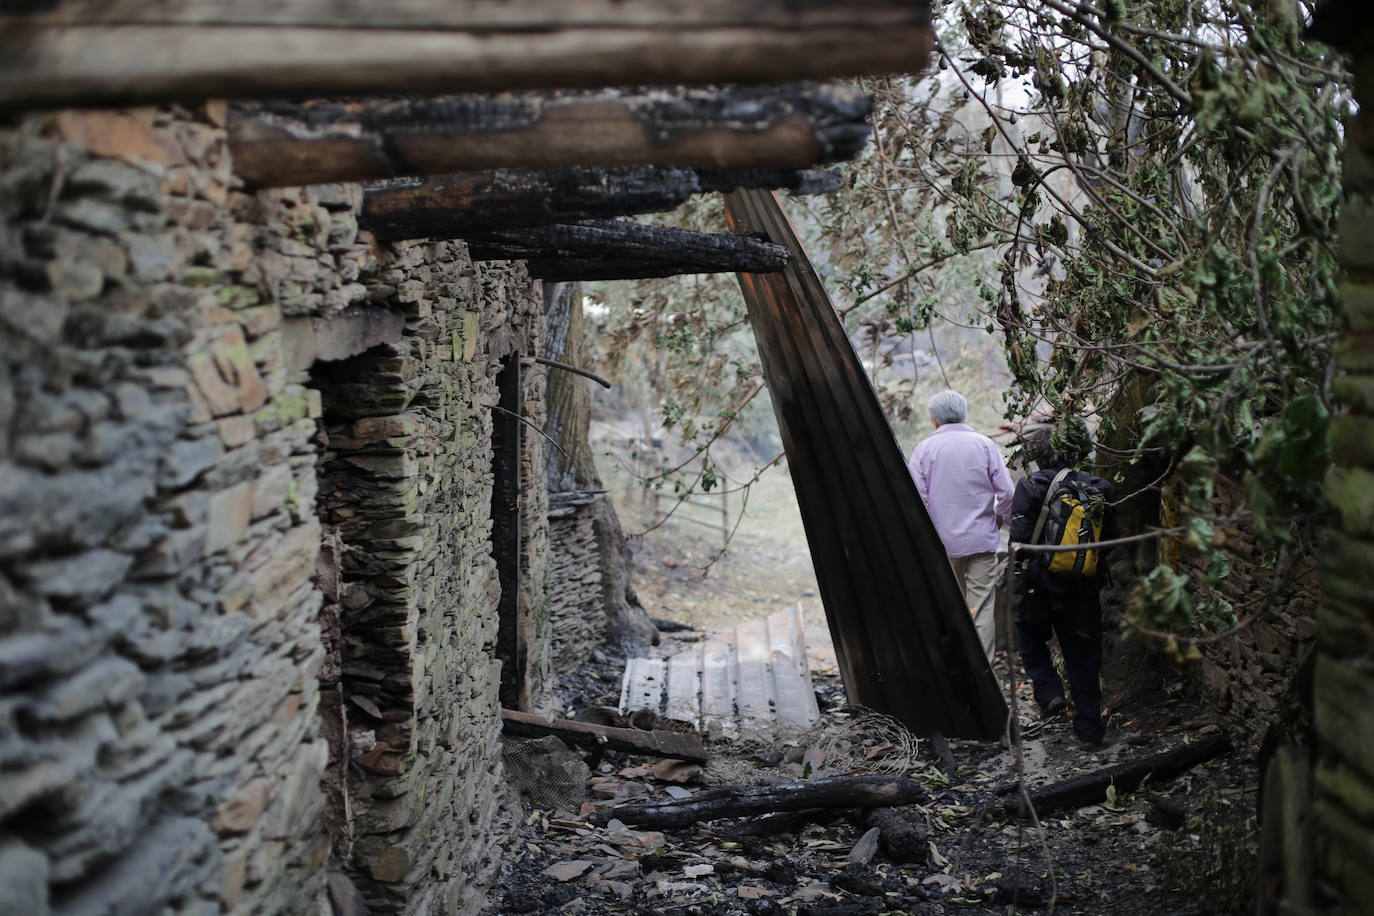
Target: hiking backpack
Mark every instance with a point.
(1071, 515)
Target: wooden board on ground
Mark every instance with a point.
(672, 745)
(642, 685)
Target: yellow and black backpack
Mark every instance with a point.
(1071, 516)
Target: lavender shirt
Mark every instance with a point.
(965, 485)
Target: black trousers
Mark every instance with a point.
(1076, 619)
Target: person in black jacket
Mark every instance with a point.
(1054, 605)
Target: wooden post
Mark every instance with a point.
(75, 52)
(789, 126)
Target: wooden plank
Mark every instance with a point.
(473, 15)
(718, 688)
(754, 683)
(642, 685)
(84, 52)
(679, 745)
(682, 702)
(792, 126)
(903, 638)
(796, 696)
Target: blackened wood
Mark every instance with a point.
(616, 240)
(1091, 788)
(902, 833)
(742, 801)
(74, 52)
(903, 637)
(790, 126)
(455, 206)
(513, 635)
(672, 745)
(568, 269)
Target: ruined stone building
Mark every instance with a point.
(274, 521)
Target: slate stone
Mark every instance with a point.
(24, 877)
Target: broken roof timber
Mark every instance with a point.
(454, 206)
(790, 126)
(81, 52)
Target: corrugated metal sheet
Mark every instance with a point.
(751, 680)
(903, 636)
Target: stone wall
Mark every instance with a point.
(175, 363)
(1344, 689)
(576, 590)
(1248, 675)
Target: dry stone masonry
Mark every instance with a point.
(248, 598)
(1344, 689)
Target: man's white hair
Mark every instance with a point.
(948, 407)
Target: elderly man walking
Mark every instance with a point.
(967, 490)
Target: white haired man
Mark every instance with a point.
(967, 490)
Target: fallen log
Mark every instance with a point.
(676, 745)
(1091, 788)
(275, 144)
(453, 206)
(741, 801)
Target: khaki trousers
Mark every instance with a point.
(977, 575)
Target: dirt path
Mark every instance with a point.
(1178, 848)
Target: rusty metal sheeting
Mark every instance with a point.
(903, 636)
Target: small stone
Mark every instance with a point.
(567, 871)
(242, 812)
(24, 876)
(867, 847)
(393, 865)
(230, 512)
(84, 576)
(235, 431)
(75, 280)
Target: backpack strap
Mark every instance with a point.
(1045, 505)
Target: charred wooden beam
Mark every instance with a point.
(623, 240)
(77, 52)
(1127, 776)
(560, 270)
(790, 126)
(675, 745)
(456, 206)
(739, 801)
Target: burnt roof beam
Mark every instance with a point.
(459, 206)
(794, 126)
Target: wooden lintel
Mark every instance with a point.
(625, 240)
(457, 206)
(785, 127)
(80, 52)
(674, 745)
